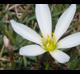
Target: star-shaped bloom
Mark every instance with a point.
(48, 41)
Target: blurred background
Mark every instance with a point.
(25, 13)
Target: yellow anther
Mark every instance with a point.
(49, 44)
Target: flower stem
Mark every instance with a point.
(25, 61)
(1, 52)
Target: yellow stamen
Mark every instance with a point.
(49, 44)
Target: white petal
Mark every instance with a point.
(64, 21)
(25, 32)
(31, 50)
(70, 41)
(60, 56)
(43, 16)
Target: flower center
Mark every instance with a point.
(49, 44)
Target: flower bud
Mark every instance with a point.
(6, 41)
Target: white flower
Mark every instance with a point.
(48, 41)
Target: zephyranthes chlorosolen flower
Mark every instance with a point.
(49, 41)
